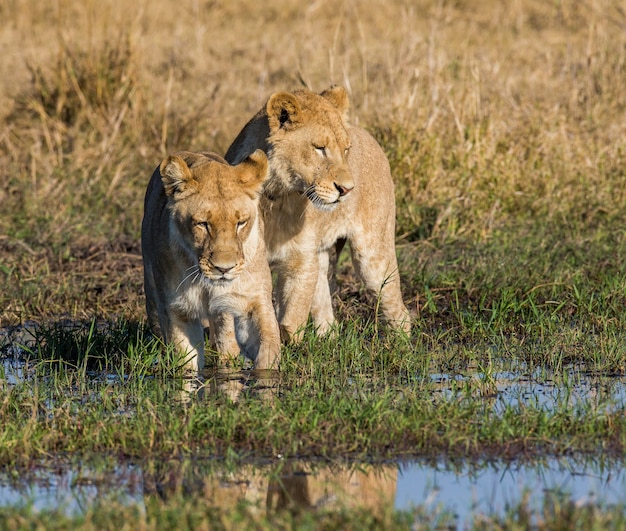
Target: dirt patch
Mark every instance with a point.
(84, 279)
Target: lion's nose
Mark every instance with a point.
(224, 268)
(343, 190)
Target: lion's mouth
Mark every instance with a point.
(213, 276)
(319, 202)
(224, 278)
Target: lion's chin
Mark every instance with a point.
(323, 206)
(218, 279)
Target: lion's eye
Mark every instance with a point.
(241, 224)
(202, 225)
(321, 151)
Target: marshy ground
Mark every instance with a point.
(505, 127)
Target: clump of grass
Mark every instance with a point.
(83, 86)
(529, 290)
(84, 145)
(96, 345)
(183, 513)
(69, 122)
(447, 189)
(122, 347)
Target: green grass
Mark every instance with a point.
(481, 314)
(366, 396)
(200, 514)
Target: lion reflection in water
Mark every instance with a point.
(293, 486)
(288, 485)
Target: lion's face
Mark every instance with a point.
(309, 145)
(214, 209)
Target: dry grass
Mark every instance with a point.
(493, 114)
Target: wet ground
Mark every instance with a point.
(463, 489)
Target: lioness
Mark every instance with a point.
(329, 181)
(204, 257)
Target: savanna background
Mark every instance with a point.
(504, 122)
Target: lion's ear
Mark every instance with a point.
(283, 110)
(254, 170)
(176, 177)
(338, 96)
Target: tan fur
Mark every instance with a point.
(315, 197)
(204, 258)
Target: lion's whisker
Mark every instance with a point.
(196, 272)
(308, 205)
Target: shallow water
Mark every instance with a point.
(463, 492)
(540, 389)
(491, 490)
(511, 384)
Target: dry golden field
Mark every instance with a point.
(494, 115)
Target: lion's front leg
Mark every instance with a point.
(376, 264)
(188, 336)
(222, 337)
(268, 355)
(295, 289)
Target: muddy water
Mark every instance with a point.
(461, 492)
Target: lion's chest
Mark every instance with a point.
(291, 231)
(208, 299)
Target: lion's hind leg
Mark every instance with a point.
(375, 262)
(322, 305)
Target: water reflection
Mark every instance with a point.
(293, 485)
(464, 491)
(72, 490)
(468, 491)
(263, 384)
(540, 389)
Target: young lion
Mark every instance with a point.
(204, 258)
(329, 182)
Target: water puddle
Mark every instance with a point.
(501, 384)
(540, 389)
(457, 491)
(461, 493)
(72, 490)
(468, 491)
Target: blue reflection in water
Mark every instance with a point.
(464, 491)
(540, 389)
(73, 491)
(491, 490)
